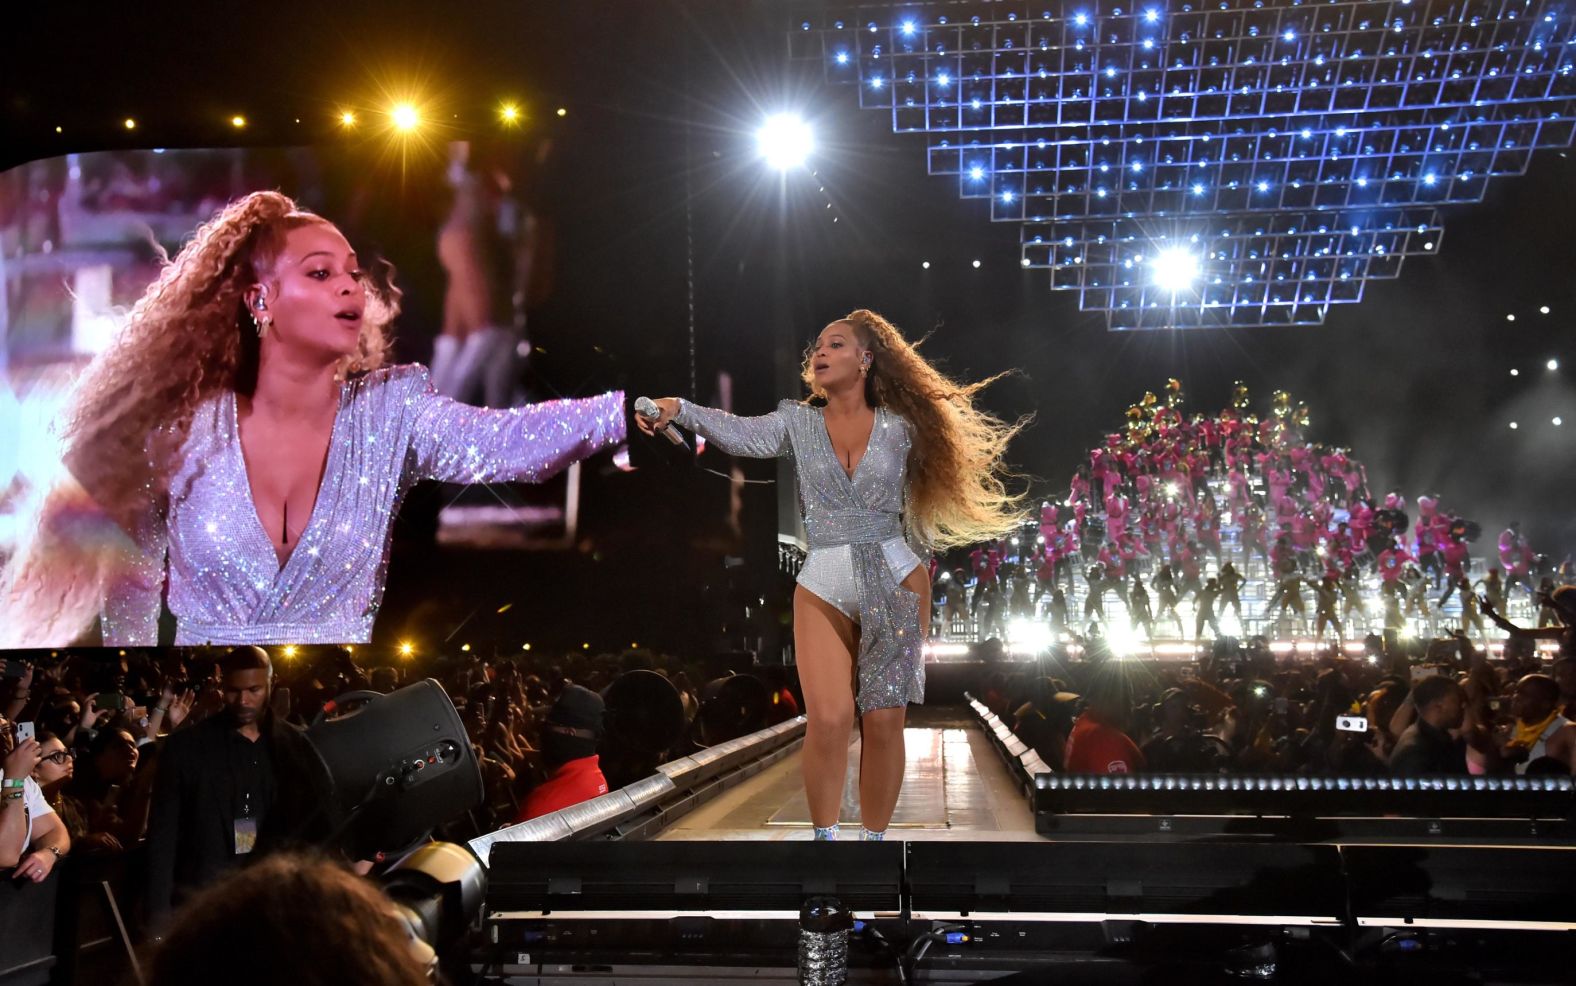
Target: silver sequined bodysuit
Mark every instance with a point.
(858, 554)
(226, 585)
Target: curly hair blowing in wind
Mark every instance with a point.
(957, 472)
(188, 339)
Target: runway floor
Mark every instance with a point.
(954, 785)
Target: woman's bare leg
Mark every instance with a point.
(825, 642)
(881, 756)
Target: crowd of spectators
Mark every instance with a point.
(158, 769)
(1447, 709)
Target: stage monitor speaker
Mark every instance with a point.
(691, 876)
(397, 766)
(1237, 879)
(732, 706)
(643, 712)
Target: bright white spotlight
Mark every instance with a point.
(1030, 636)
(1553, 364)
(1515, 373)
(976, 172)
(1122, 638)
(909, 27)
(1544, 309)
(1514, 426)
(1558, 421)
(1175, 269)
(785, 141)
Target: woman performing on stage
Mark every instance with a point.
(242, 446)
(893, 460)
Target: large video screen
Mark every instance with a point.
(459, 233)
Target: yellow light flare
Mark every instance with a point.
(405, 117)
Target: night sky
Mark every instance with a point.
(662, 99)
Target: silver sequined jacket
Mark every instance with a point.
(392, 430)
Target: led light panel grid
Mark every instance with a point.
(1189, 124)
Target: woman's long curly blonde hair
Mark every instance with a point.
(957, 474)
(188, 338)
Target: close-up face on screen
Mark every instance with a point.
(698, 491)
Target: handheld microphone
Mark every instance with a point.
(647, 408)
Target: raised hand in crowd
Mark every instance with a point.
(21, 761)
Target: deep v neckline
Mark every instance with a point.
(850, 475)
(317, 496)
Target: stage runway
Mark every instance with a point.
(955, 785)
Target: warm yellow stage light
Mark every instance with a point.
(130, 123)
(347, 119)
(237, 121)
(405, 117)
(509, 113)
(562, 111)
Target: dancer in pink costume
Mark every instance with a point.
(1515, 553)
(1457, 557)
(1429, 531)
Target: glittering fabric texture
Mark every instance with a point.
(858, 519)
(391, 431)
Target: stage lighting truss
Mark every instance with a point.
(1227, 117)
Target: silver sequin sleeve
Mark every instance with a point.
(761, 437)
(457, 443)
(134, 587)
